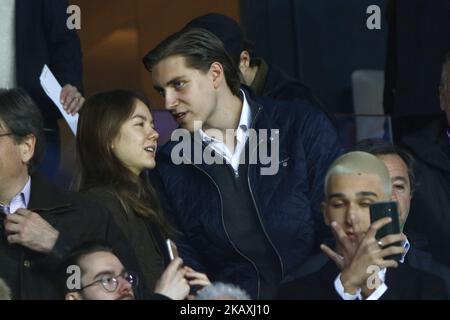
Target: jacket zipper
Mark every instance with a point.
(223, 225)
(256, 207)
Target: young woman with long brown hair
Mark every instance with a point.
(116, 143)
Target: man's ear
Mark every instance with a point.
(244, 61)
(323, 208)
(217, 74)
(73, 296)
(27, 146)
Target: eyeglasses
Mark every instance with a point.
(6, 134)
(110, 283)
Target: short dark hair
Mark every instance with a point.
(200, 48)
(74, 260)
(227, 30)
(22, 117)
(382, 147)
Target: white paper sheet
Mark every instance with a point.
(53, 89)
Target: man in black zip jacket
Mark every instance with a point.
(243, 177)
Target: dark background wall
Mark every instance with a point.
(116, 34)
(321, 42)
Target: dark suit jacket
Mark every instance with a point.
(429, 218)
(415, 56)
(272, 82)
(42, 37)
(32, 275)
(416, 258)
(404, 283)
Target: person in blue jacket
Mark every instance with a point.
(243, 176)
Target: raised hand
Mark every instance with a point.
(369, 253)
(172, 282)
(347, 246)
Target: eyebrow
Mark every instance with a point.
(367, 194)
(106, 273)
(359, 194)
(144, 118)
(170, 82)
(102, 273)
(336, 195)
(139, 116)
(400, 178)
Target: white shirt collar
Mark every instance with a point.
(21, 199)
(243, 126)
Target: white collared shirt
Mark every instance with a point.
(241, 137)
(382, 288)
(19, 201)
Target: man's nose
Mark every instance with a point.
(170, 100)
(124, 286)
(394, 195)
(351, 212)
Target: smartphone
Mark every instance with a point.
(172, 248)
(381, 210)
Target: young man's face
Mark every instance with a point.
(189, 94)
(95, 267)
(350, 194)
(401, 186)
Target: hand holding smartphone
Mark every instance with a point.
(381, 210)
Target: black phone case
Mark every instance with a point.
(380, 210)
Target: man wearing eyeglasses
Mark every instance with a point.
(94, 272)
(102, 277)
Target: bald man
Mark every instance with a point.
(353, 182)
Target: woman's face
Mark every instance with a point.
(135, 145)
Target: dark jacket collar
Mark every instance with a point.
(259, 82)
(46, 196)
